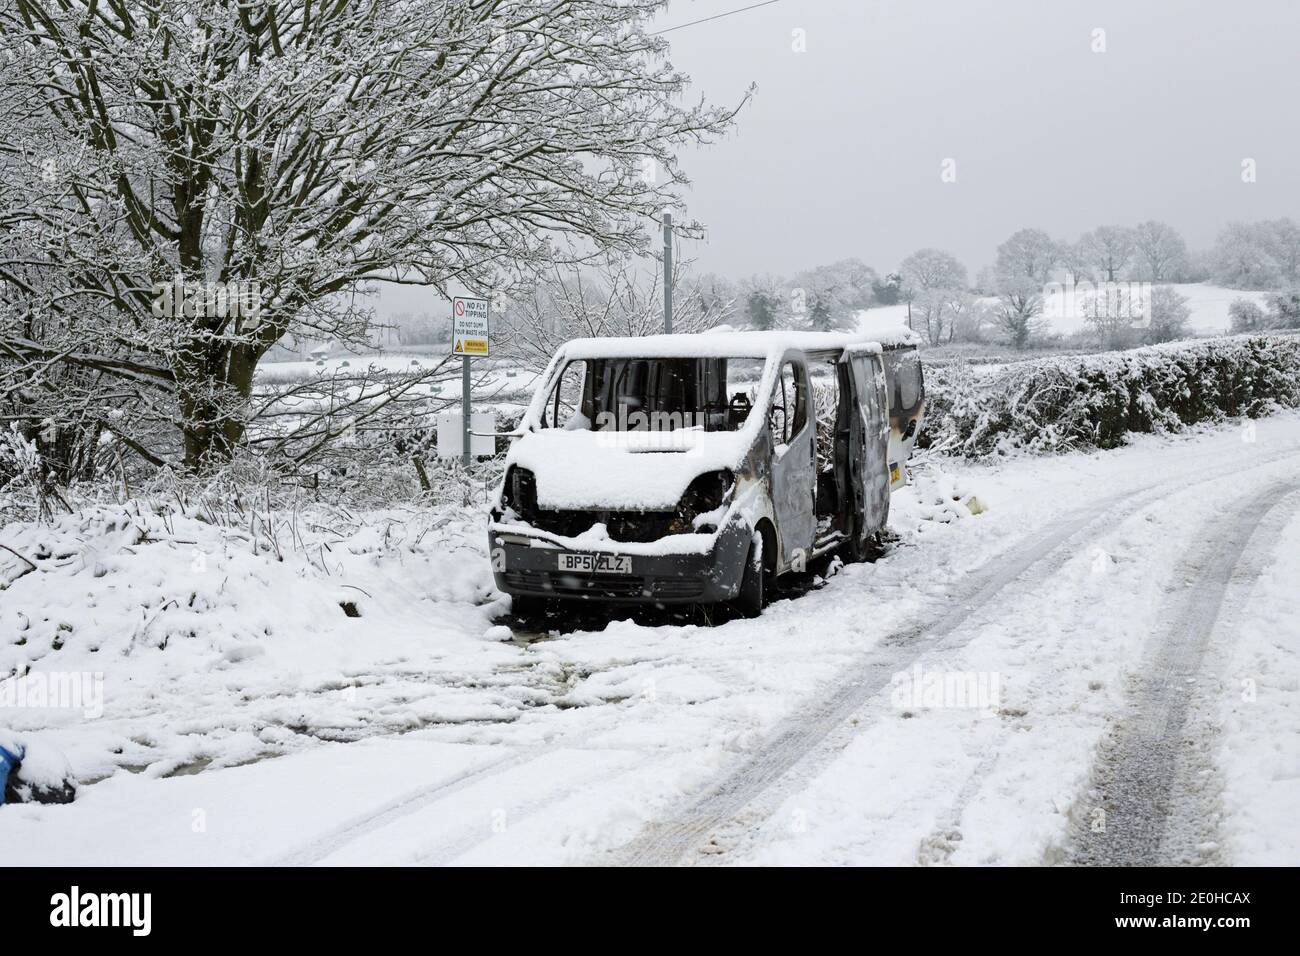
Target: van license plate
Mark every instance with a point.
(595, 563)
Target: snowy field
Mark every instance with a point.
(1208, 305)
(494, 381)
(246, 718)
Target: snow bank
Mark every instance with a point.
(147, 637)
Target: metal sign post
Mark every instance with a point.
(668, 272)
(469, 336)
(464, 411)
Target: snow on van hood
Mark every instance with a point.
(623, 471)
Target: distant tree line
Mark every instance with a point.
(1005, 301)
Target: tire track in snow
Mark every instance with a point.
(795, 741)
(1153, 778)
(798, 739)
(938, 846)
(403, 806)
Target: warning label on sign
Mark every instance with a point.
(469, 326)
(470, 347)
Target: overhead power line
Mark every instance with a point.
(716, 16)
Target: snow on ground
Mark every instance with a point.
(934, 777)
(214, 648)
(247, 719)
(1209, 305)
(1260, 712)
(882, 318)
(990, 778)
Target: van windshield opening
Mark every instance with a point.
(654, 394)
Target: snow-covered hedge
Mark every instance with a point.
(1057, 404)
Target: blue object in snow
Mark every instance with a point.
(8, 761)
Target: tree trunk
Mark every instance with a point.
(214, 397)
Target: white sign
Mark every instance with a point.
(469, 326)
(482, 443)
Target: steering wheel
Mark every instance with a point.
(738, 408)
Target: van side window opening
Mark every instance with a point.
(777, 415)
(908, 383)
(565, 407)
(825, 401)
(789, 411)
(742, 378)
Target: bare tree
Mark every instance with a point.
(856, 282)
(1028, 254)
(1160, 250)
(1015, 317)
(827, 297)
(1024, 264)
(1076, 260)
(1169, 315)
(1108, 249)
(1243, 257)
(619, 296)
(972, 318)
(1112, 321)
(1282, 237)
(307, 148)
(935, 283)
(764, 304)
(1284, 310)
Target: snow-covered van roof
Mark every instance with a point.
(720, 344)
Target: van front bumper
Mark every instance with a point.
(524, 569)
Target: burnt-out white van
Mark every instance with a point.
(683, 469)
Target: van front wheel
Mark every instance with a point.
(752, 596)
(528, 607)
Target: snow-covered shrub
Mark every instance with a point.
(19, 460)
(1057, 404)
(1247, 316)
(1284, 310)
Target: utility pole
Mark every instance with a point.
(668, 272)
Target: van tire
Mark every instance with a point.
(752, 596)
(862, 548)
(528, 606)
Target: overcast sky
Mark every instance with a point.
(841, 150)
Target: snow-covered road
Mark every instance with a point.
(1117, 632)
